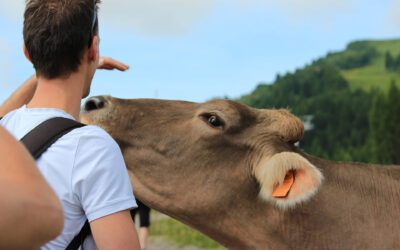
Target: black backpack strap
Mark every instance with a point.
(45, 134)
(80, 238)
(38, 140)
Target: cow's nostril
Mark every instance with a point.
(94, 103)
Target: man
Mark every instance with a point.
(30, 211)
(144, 216)
(85, 167)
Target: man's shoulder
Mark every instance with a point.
(8, 116)
(92, 131)
(93, 136)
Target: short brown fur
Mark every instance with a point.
(202, 176)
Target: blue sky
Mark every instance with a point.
(199, 49)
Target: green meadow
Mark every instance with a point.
(179, 234)
(374, 75)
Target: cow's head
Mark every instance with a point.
(185, 156)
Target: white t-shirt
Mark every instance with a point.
(84, 167)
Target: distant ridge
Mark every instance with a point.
(338, 96)
(373, 73)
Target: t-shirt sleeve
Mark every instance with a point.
(100, 180)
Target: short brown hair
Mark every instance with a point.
(57, 32)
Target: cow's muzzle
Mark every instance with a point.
(94, 103)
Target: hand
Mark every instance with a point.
(110, 64)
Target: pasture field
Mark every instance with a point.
(178, 234)
(374, 75)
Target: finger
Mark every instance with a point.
(113, 66)
(110, 63)
(119, 65)
(107, 67)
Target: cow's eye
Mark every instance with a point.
(214, 121)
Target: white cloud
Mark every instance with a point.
(298, 11)
(171, 17)
(394, 17)
(304, 7)
(178, 16)
(154, 16)
(12, 9)
(145, 16)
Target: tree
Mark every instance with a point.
(389, 61)
(385, 126)
(394, 124)
(340, 116)
(396, 66)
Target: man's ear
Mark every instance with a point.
(26, 52)
(94, 49)
(287, 179)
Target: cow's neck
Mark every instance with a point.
(357, 205)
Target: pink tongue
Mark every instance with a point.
(282, 190)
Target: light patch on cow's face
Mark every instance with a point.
(271, 173)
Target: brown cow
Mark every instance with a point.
(233, 173)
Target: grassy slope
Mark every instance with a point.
(179, 234)
(375, 74)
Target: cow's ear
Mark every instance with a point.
(287, 179)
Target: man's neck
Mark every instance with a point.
(59, 93)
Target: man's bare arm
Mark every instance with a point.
(30, 212)
(25, 93)
(115, 231)
(20, 97)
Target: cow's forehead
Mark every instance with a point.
(233, 114)
(226, 107)
(223, 105)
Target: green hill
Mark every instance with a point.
(345, 99)
(372, 73)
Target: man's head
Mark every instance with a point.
(57, 33)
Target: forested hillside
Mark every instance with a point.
(349, 101)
